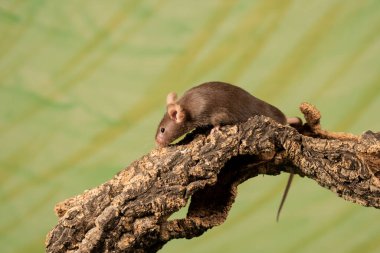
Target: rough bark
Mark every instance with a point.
(130, 212)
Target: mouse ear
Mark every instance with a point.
(176, 112)
(171, 98)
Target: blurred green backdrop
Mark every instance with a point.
(83, 85)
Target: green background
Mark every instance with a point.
(83, 86)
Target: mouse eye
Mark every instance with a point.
(162, 130)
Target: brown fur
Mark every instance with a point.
(215, 104)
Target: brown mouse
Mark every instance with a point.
(214, 104)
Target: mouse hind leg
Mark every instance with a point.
(220, 119)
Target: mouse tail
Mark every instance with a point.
(285, 194)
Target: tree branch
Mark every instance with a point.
(130, 212)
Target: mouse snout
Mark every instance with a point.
(160, 142)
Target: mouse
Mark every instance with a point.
(215, 104)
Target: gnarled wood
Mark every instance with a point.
(129, 213)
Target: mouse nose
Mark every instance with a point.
(160, 141)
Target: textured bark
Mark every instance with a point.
(130, 213)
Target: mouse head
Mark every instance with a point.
(173, 124)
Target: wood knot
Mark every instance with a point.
(311, 113)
